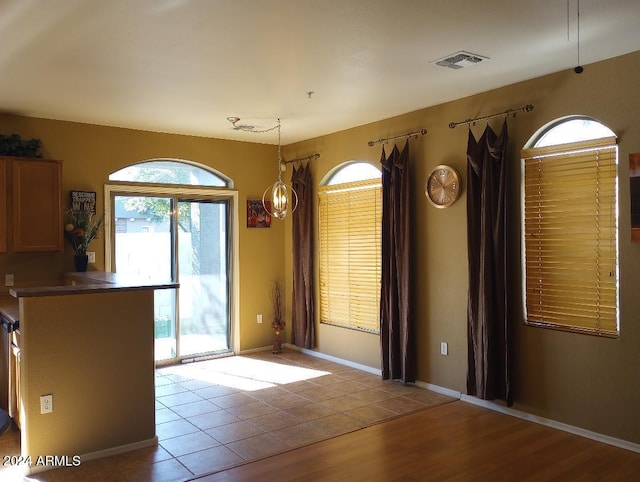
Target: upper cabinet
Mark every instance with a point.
(32, 201)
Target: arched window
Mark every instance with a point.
(570, 234)
(170, 171)
(350, 217)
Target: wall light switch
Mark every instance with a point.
(8, 280)
(91, 257)
(259, 317)
(444, 348)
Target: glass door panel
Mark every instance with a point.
(203, 276)
(144, 247)
(176, 239)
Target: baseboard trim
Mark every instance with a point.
(598, 437)
(341, 361)
(256, 350)
(438, 389)
(101, 453)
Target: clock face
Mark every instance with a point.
(443, 186)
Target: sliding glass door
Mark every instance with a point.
(184, 239)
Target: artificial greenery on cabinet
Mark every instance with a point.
(15, 146)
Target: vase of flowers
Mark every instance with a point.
(278, 323)
(80, 229)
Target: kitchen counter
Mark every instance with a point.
(89, 345)
(9, 308)
(91, 282)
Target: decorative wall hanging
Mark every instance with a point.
(257, 214)
(83, 201)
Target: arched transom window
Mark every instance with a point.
(170, 171)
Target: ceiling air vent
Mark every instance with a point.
(460, 60)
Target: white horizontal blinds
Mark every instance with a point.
(571, 236)
(350, 217)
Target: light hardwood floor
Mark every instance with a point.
(455, 441)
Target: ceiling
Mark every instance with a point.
(184, 66)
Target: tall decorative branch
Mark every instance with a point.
(278, 323)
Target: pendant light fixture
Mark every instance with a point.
(280, 199)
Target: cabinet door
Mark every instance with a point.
(3, 206)
(37, 206)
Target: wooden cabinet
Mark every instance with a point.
(33, 206)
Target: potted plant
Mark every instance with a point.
(80, 229)
(278, 323)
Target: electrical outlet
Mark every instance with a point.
(46, 403)
(91, 257)
(259, 318)
(444, 348)
(8, 280)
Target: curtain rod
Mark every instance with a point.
(526, 108)
(306, 158)
(421, 132)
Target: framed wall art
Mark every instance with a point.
(257, 215)
(83, 201)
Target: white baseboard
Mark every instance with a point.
(438, 389)
(102, 453)
(341, 361)
(625, 444)
(256, 350)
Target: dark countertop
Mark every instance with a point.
(92, 282)
(9, 308)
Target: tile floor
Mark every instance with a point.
(216, 414)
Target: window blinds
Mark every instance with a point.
(570, 236)
(350, 217)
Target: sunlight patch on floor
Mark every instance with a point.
(245, 373)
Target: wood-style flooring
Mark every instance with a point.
(455, 441)
(294, 417)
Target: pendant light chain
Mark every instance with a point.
(279, 154)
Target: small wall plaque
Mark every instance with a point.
(83, 201)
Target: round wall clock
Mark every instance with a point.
(443, 186)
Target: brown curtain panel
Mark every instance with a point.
(489, 351)
(303, 329)
(396, 331)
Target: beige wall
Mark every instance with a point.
(90, 153)
(581, 380)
